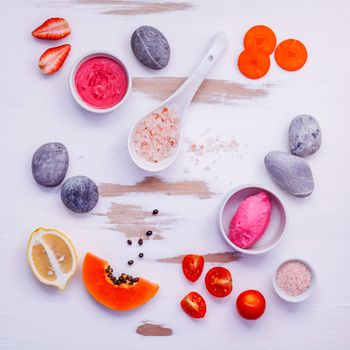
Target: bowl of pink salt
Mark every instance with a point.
(99, 81)
(294, 280)
(252, 220)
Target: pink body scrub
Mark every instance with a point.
(294, 278)
(157, 135)
(101, 82)
(250, 220)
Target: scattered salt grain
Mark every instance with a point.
(157, 135)
(294, 278)
(212, 145)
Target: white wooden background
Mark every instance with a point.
(36, 109)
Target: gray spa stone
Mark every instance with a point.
(79, 194)
(304, 135)
(150, 47)
(50, 164)
(291, 173)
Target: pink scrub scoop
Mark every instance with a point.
(250, 220)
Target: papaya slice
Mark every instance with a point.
(123, 293)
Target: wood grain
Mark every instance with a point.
(155, 330)
(212, 91)
(134, 221)
(224, 257)
(154, 184)
(120, 7)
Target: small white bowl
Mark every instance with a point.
(74, 91)
(291, 298)
(273, 233)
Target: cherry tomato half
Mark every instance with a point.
(251, 304)
(194, 305)
(218, 281)
(192, 266)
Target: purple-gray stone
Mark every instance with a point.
(79, 194)
(50, 164)
(150, 47)
(304, 135)
(291, 173)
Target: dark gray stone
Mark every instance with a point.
(50, 164)
(150, 47)
(79, 194)
(291, 173)
(304, 135)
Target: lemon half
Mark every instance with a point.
(52, 257)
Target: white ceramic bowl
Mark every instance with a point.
(74, 91)
(291, 298)
(273, 233)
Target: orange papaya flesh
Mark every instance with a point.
(123, 297)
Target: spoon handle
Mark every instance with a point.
(194, 81)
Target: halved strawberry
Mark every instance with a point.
(53, 58)
(52, 29)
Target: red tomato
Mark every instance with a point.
(192, 266)
(194, 305)
(218, 281)
(251, 304)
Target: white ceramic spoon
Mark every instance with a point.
(179, 102)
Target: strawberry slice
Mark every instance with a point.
(52, 29)
(53, 58)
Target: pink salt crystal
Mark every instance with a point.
(156, 136)
(294, 278)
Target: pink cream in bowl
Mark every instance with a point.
(100, 82)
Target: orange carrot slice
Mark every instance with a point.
(262, 37)
(291, 54)
(254, 63)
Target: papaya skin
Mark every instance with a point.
(116, 297)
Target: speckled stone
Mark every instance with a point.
(304, 135)
(79, 194)
(150, 47)
(291, 173)
(50, 164)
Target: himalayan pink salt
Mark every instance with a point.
(157, 135)
(294, 278)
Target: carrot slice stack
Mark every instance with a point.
(254, 63)
(291, 54)
(262, 37)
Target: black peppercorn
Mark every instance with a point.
(130, 262)
(129, 241)
(149, 233)
(155, 212)
(141, 255)
(140, 241)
